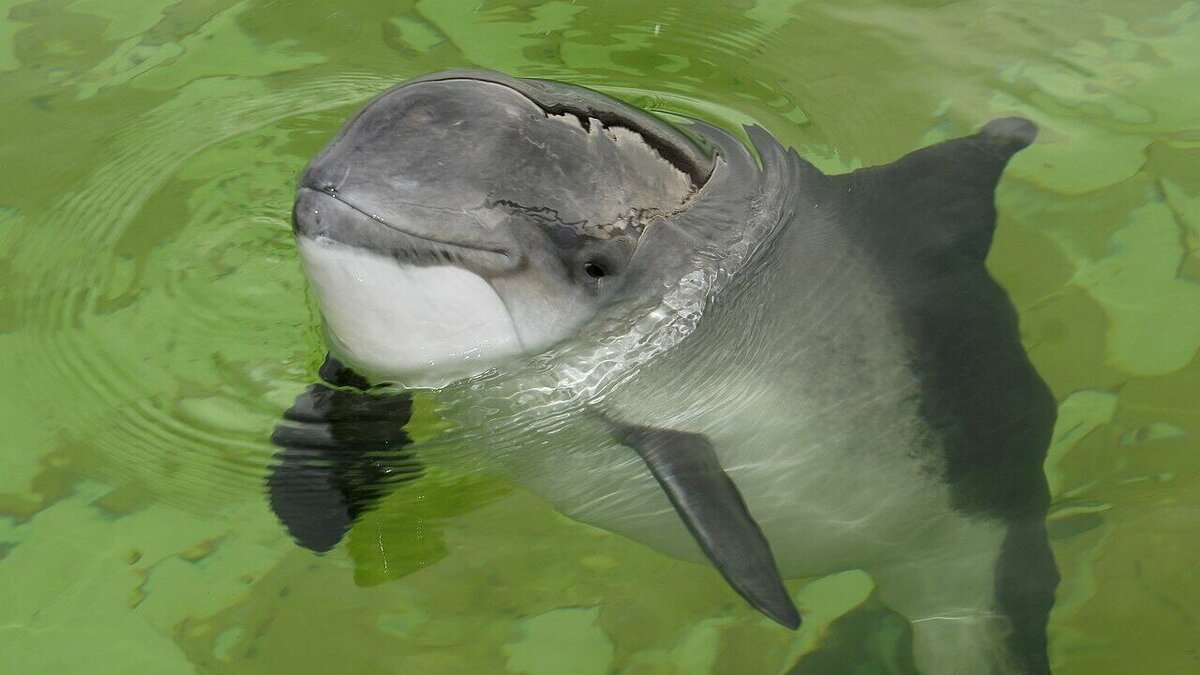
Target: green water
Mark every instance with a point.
(154, 323)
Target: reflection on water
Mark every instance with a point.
(154, 328)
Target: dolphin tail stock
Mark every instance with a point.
(341, 448)
(713, 510)
(927, 221)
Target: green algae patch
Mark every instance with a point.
(1154, 313)
(404, 531)
(561, 641)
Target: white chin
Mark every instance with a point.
(422, 326)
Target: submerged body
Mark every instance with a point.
(768, 354)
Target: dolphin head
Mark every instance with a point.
(466, 217)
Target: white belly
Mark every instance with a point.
(829, 494)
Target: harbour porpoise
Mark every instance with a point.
(706, 345)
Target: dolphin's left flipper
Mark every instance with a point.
(686, 467)
(341, 448)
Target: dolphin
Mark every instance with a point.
(703, 344)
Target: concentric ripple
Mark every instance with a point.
(174, 329)
(162, 333)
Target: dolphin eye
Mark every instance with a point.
(594, 270)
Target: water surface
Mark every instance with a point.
(154, 323)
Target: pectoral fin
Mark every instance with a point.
(709, 503)
(341, 447)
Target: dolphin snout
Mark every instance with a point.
(310, 216)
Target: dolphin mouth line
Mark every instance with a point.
(332, 193)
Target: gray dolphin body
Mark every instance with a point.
(726, 357)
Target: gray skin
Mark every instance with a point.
(423, 175)
(813, 373)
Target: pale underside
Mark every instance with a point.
(433, 323)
